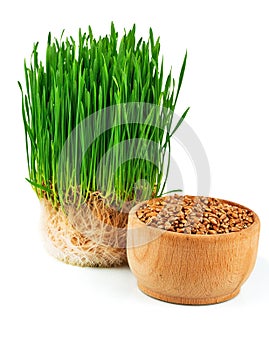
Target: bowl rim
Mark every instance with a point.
(255, 224)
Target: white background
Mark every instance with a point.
(45, 304)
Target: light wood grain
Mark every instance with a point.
(190, 269)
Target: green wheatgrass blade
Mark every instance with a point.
(43, 188)
(179, 122)
(181, 75)
(81, 78)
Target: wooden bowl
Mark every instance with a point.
(187, 268)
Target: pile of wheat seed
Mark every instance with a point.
(195, 215)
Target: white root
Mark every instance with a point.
(93, 235)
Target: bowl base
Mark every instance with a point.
(188, 301)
